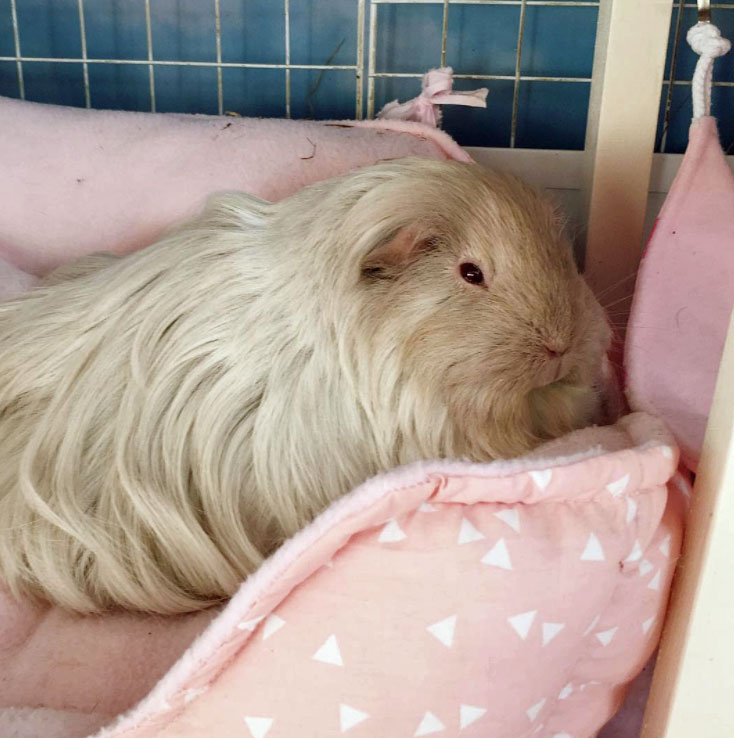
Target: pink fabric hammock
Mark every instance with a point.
(685, 286)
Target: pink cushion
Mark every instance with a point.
(685, 294)
(496, 598)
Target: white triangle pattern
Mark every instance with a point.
(511, 517)
(631, 510)
(664, 547)
(428, 725)
(667, 452)
(259, 727)
(391, 533)
(427, 508)
(522, 622)
(350, 716)
(605, 636)
(566, 692)
(444, 630)
(533, 712)
(194, 692)
(592, 625)
(329, 652)
(655, 582)
(272, 625)
(620, 485)
(682, 485)
(593, 550)
(542, 478)
(469, 714)
(551, 630)
(498, 556)
(635, 554)
(249, 624)
(468, 533)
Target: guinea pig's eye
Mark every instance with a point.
(471, 273)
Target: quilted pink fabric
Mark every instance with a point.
(500, 601)
(685, 294)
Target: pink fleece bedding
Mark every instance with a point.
(444, 598)
(75, 181)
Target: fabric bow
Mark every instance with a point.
(437, 90)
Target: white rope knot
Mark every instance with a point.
(437, 90)
(706, 40)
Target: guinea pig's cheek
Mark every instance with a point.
(588, 367)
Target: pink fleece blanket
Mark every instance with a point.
(75, 181)
(78, 181)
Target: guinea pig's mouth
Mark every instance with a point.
(556, 372)
(561, 406)
(568, 378)
(560, 377)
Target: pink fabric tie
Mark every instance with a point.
(437, 90)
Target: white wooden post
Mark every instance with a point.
(693, 686)
(629, 61)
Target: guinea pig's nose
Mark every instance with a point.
(555, 350)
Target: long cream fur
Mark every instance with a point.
(169, 418)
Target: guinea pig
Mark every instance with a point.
(169, 418)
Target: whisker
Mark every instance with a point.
(616, 285)
(617, 301)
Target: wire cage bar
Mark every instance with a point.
(151, 70)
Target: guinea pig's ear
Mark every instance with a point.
(387, 258)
